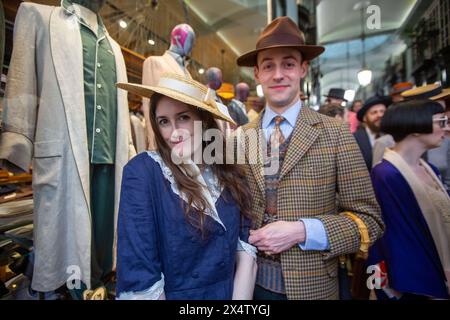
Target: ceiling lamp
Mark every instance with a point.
(365, 77)
(349, 95)
(123, 24)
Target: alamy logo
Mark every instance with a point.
(374, 18)
(74, 280)
(377, 278)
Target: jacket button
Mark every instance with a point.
(221, 233)
(195, 275)
(222, 264)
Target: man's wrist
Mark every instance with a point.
(301, 232)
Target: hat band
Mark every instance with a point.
(194, 92)
(280, 40)
(427, 95)
(181, 87)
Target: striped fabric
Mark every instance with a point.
(270, 274)
(322, 160)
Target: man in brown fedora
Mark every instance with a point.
(297, 229)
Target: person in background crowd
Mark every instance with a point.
(255, 106)
(183, 227)
(352, 118)
(335, 95)
(439, 157)
(356, 106)
(370, 114)
(335, 111)
(398, 88)
(415, 249)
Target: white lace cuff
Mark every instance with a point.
(153, 293)
(248, 248)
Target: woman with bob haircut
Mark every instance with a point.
(414, 251)
(183, 226)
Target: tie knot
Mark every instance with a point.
(278, 120)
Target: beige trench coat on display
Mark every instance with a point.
(44, 123)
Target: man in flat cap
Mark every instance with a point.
(298, 230)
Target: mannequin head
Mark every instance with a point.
(242, 91)
(214, 78)
(182, 39)
(93, 5)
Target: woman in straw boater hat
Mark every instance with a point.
(183, 226)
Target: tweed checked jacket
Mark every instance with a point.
(323, 163)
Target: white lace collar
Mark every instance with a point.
(211, 187)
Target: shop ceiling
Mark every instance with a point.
(239, 23)
(339, 28)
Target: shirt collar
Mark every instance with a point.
(70, 9)
(290, 114)
(181, 60)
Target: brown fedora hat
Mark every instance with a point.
(281, 32)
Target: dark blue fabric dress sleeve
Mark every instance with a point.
(244, 232)
(407, 247)
(138, 260)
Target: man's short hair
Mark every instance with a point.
(407, 117)
(332, 110)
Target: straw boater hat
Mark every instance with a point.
(182, 89)
(430, 91)
(281, 32)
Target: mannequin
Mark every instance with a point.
(182, 40)
(64, 116)
(214, 82)
(214, 78)
(92, 5)
(242, 91)
(89, 10)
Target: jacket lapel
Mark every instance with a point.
(304, 135)
(68, 63)
(254, 145)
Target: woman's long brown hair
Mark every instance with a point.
(230, 176)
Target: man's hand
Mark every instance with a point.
(278, 236)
